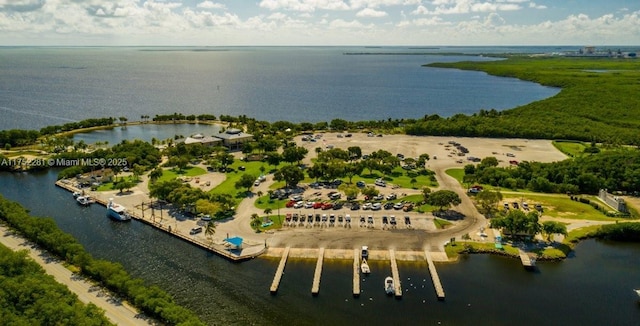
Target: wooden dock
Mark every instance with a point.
(394, 273)
(280, 271)
(245, 254)
(315, 288)
(434, 276)
(356, 273)
(527, 261)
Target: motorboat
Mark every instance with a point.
(637, 291)
(84, 200)
(365, 252)
(389, 287)
(117, 211)
(364, 267)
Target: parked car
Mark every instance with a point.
(407, 207)
(326, 206)
(392, 196)
(378, 197)
(309, 204)
(290, 203)
(360, 184)
(388, 205)
(376, 206)
(317, 205)
(366, 206)
(398, 206)
(355, 207)
(338, 205)
(298, 204)
(195, 230)
(335, 196)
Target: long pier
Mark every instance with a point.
(356, 273)
(216, 249)
(315, 288)
(434, 276)
(280, 271)
(526, 260)
(394, 273)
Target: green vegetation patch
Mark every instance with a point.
(592, 106)
(560, 206)
(456, 173)
(570, 148)
(190, 171)
(441, 224)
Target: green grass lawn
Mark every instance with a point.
(190, 171)
(265, 202)
(456, 173)
(228, 186)
(571, 148)
(108, 186)
(440, 223)
(561, 206)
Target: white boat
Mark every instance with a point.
(117, 211)
(365, 252)
(84, 200)
(364, 267)
(637, 292)
(389, 287)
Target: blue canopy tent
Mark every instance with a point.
(235, 241)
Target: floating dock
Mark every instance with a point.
(434, 276)
(356, 273)
(280, 271)
(394, 273)
(527, 261)
(315, 288)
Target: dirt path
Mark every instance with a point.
(118, 312)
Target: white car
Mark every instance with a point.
(299, 204)
(308, 204)
(376, 206)
(366, 206)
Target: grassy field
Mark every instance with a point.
(570, 148)
(108, 186)
(560, 206)
(456, 173)
(191, 171)
(441, 224)
(228, 186)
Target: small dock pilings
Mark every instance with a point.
(315, 288)
(434, 276)
(395, 274)
(527, 262)
(356, 273)
(280, 271)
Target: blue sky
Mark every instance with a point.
(319, 22)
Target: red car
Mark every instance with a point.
(290, 203)
(326, 206)
(317, 205)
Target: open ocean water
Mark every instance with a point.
(41, 86)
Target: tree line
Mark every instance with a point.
(44, 232)
(28, 296)
(615, 170)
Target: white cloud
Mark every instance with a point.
(304, 5)
(340, 23)
(368, 12)
(536, 6)
(211, 5)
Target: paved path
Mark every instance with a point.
(118, 312)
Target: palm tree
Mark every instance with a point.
(268, 211)
(210, 230)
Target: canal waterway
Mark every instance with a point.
(593, 287)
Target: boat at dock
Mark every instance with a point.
(364, 267)
(84, 200)
(117, 211)
(389, 287)
(365, 253)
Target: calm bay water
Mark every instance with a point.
(45, 86)
(592, 288)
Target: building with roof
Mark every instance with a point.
(208, 141)
(233, 138)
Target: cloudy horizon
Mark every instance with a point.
(319, 22)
